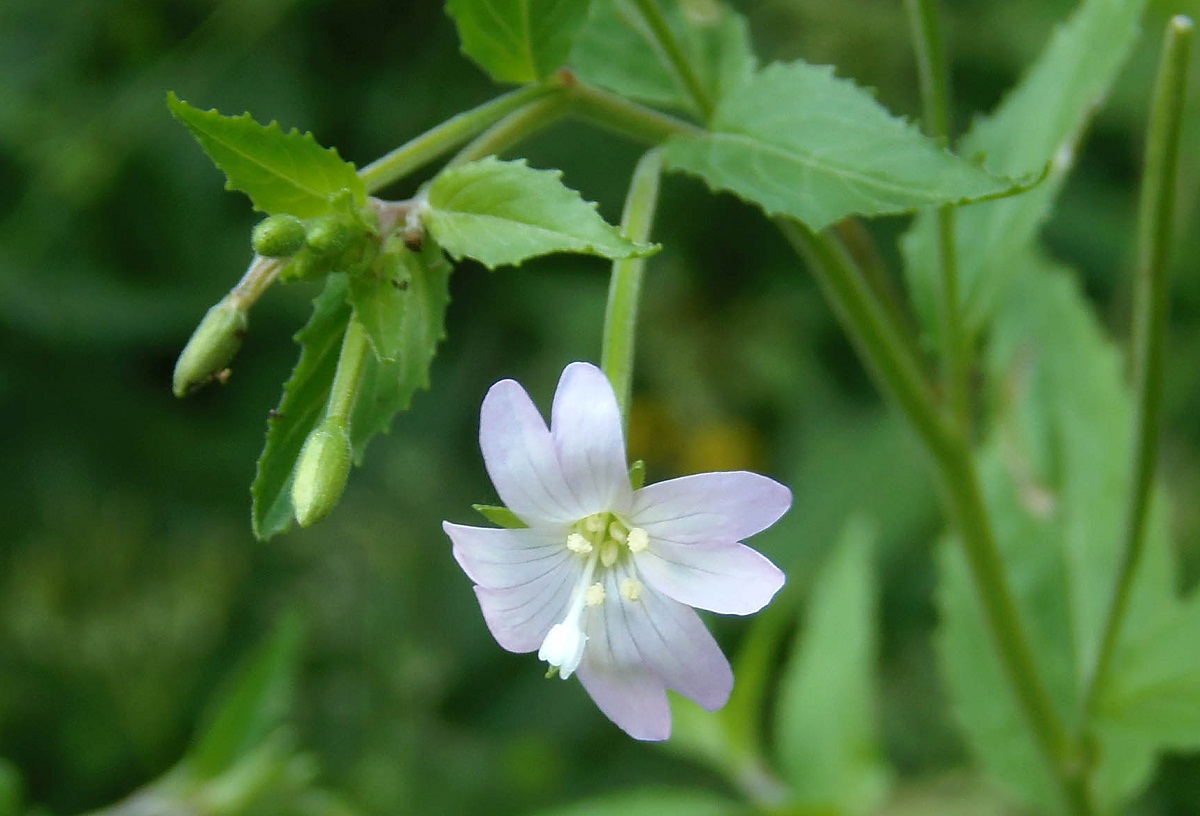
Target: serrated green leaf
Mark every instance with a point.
(618, 51)
(799, 141)
(518, 40)
(828, 730)
(379, 296)
(1038, 124)
(253, 707)
(388, 387)
(500, 212)
(281, 172)
(500, 516)
(664, 802)
(300, 409)
(1055, 476)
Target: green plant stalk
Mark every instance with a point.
(684, 71)
(351, 360)
(435, 143)
(510, 130)
(261, 273)
(899, 376)
(629, 119)
(625, 287)
(1156, 216)
(934, 74)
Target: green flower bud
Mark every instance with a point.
(306, 266)
(210, 350)
(278, 236)
(321, 471)
(328, 235)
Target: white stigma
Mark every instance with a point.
(631, 589)
(637, 540)
(578, 544)
(563, 647)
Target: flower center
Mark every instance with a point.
(603, 540)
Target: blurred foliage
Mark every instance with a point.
(130, 582)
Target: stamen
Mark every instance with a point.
(631, 589)
(608, 553)
(637, 540)
(593, 524)
(595, 595)
(578, 544)
(616, 531)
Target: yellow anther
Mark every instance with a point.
(594, 595)
(631, 589)
(608, 553)
(578, 544)
(637, 540)
(616, 531)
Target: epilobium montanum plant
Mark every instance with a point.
(600, 580)
(1070, 659)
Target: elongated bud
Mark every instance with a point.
(278, 236)
(321, 471)
(210, 350)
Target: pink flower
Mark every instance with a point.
(602, 581)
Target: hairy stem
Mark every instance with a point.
(1155, 225)
(435, 143)
(900, 378)
(349, 372)
(625, 288)
(934, 74)
(518, 125)
(678, 61)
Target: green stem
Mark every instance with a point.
(624, 291)
(349, 372)
(435, 143)
(679, 62)
(934, 74)
(900, 378)
(1156, 218)
(261, 273)
(627, 118)
(513, 128)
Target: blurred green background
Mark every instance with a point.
(130, 585)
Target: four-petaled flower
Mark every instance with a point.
(602, 580)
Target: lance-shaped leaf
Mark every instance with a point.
(1038, 124)
(799, 141)
(619, 51)
(281, 172)
(500, 212)
(388, 386)
(300, 409)
(828, 718)
(380, 298)
(518, 40)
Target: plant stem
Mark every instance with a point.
(934, 73)
(627, 118)
(259, 276)
(349, 372)
(1156, 218)
(510, 130)
(625, 288)
(900, 378)
(684, 71)
(435, 143)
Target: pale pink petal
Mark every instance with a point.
(660, 635)
(520, 617)
(728, 578)
(521, 459)
(585, 424)
(503, 559)
(634, 700)
(710, 507)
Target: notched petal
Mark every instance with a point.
(731, 579)
(585, 424)
(710, 507)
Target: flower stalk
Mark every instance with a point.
(625, 287)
